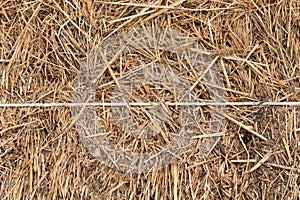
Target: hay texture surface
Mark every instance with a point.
(43, 45)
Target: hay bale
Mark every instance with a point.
(43, 45)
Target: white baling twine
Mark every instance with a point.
(101, 104)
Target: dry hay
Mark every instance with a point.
(44, 43)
